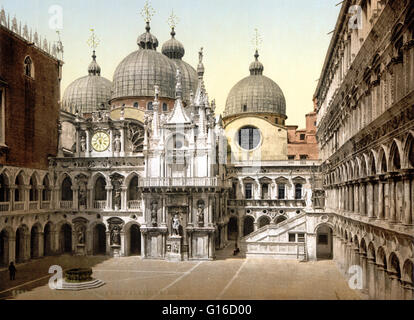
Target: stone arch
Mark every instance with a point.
(5, 235)
(395, 158)
(66, 192)
(20, 182)
(4, 187)
(382, 258)
(132, 238)
(280, 219)
(394, 264)
(99, 238)
(22, 243)
(248, 225)
(365, 165)
(408, 272)
(65, 230)
(34, 186)
(35, 240)
(382, 160)
(263, 221)
(47, 188)
(409, 151)
(324, 240)
(233, 228)
(99, 187)
(372, 163)
(356, 242)
(132, 183)
(371, 251)
(363, 247)
(48, 232)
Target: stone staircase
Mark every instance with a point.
(272, 241)
(82, 285)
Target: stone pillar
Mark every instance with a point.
(407, 202)
(108, 243)
(364, 264)
(395, 287)
(109, 197)
(89, 198)
(370, 201)
(164, 211)
(12, 248)
(356, 199)
(372, 279)
(124, 202)
(311, 246)
(75, 191)
(393, 211)
(381, 212)
(363, 199)
(381, 280)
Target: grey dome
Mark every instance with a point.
(87, 94)
(143, 69)
(255, 94)
(173, 48)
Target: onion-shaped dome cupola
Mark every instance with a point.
(85, 95)
(174, 50)
(256, 94)
(142, 70)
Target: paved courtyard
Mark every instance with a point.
(227, 278)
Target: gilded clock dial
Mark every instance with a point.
(100, 141)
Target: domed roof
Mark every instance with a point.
(142, 70)
(88, 93)
(174, 50)
(255, 93)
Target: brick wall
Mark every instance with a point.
(32, 108)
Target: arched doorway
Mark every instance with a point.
(232, 229)
(135, 240)
(264, 221)
(66, 238)
(248, 226)
(34, 242)
(47, 240)
(20, 252)
(324, 244)
(4, 248)
(99, 240)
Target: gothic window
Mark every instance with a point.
(249, 138)
(46, 192)
(150, 106)
(100, 191)
(298, 191)
(67, 193)
(28, 67)
(133, 189)
(281, 191)
(136, 105)
(249, 191)
(164, 107)
(4, 188)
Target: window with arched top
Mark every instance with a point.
(150, 106)
(28, 67)
(298, 191)
(136, 105)
(164, 107)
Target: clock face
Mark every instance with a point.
(100, 141)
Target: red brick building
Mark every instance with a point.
(302, 144)
(29, 100)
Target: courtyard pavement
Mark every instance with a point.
(227, 278)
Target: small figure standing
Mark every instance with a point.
(12, 271)
(176, 225)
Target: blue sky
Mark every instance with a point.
(294, 32)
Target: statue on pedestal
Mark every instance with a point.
(176, 225)
(117, 143)
(116, 235)
(154, 216)
(83, 143)
(200, 213)
(80, 233)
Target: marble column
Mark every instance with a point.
(370, 201)
(381, 212)
(109, 197)
(395, 287)
(356, 198)
(393, 211)
(372, 279)
(407, 202)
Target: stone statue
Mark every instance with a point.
(308, 198)
(81, 234)
(200, 213)
(117, 144)
(116, 235)
(82, 197)
(83, 144)
(154, 217)
(117, 199)
(176, 225)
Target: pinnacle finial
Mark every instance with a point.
(93, 41)
(173, 21)
(147, 12)
(178, 87)
(257, 39)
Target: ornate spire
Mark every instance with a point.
(178, 87)
(94, 69)
(200, 68)
(147, 40)
(256, 67)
